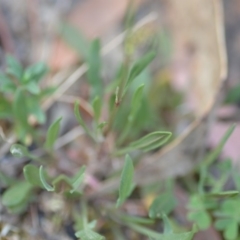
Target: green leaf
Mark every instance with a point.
(236, 179)
(167, 225)
(14, 68)
(47, 92)
(233, 95)
(33, 88)
(80, 120)
(19, 151)
(201, 218)
(177, 236)
(88, 234)
(231, 231)
(5, 108)
(61, 184)
(149, 142)
(78, 179)
(97, 108)
(52, 134)
(145, 231)
(34, 107)
(101, 125)
(163, 204)
(16, 194)
(224, 194)
(196, 202)
(138, 67)
(211, 157)
(5, 180)
(43, 180)
(8, 87)
(137, 97)
(135, 105)
(215, 153)
(20, 208)
(34, 74)
(31, 174)
(6, 84)
(75, 39)
(230, 207)
(180, 236)
(221, 224)
(126, 181)
(94, 70)
(134, 219)
(20, 108)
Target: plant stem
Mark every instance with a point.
(84, 213)
(119, 96)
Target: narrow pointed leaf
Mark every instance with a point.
(78, 179)
(43, 180)
(33, 88)
(138, 67)
(88, 234)
(5, 108)
(101, 125)
(14, 68)
(137, 97)
(211, 157)
(61, 184)
(52, 134)
(20, 109)
(94, 70)
(126, 181)
(97, 108)
(167, 225)
(134, 219)
(149, 142)
(145, 231)
(80, 120)
(75, 39)
(225, 194)
(215, 153)
(163, 204)
(35, 73)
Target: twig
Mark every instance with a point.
(82, 103)
(69, 137)
(65, 86)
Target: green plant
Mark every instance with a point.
(21, 95)
(136, 132)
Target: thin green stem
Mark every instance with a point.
(84, 213)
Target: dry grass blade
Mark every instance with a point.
(82, 103)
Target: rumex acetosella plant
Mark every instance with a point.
(125, 101)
